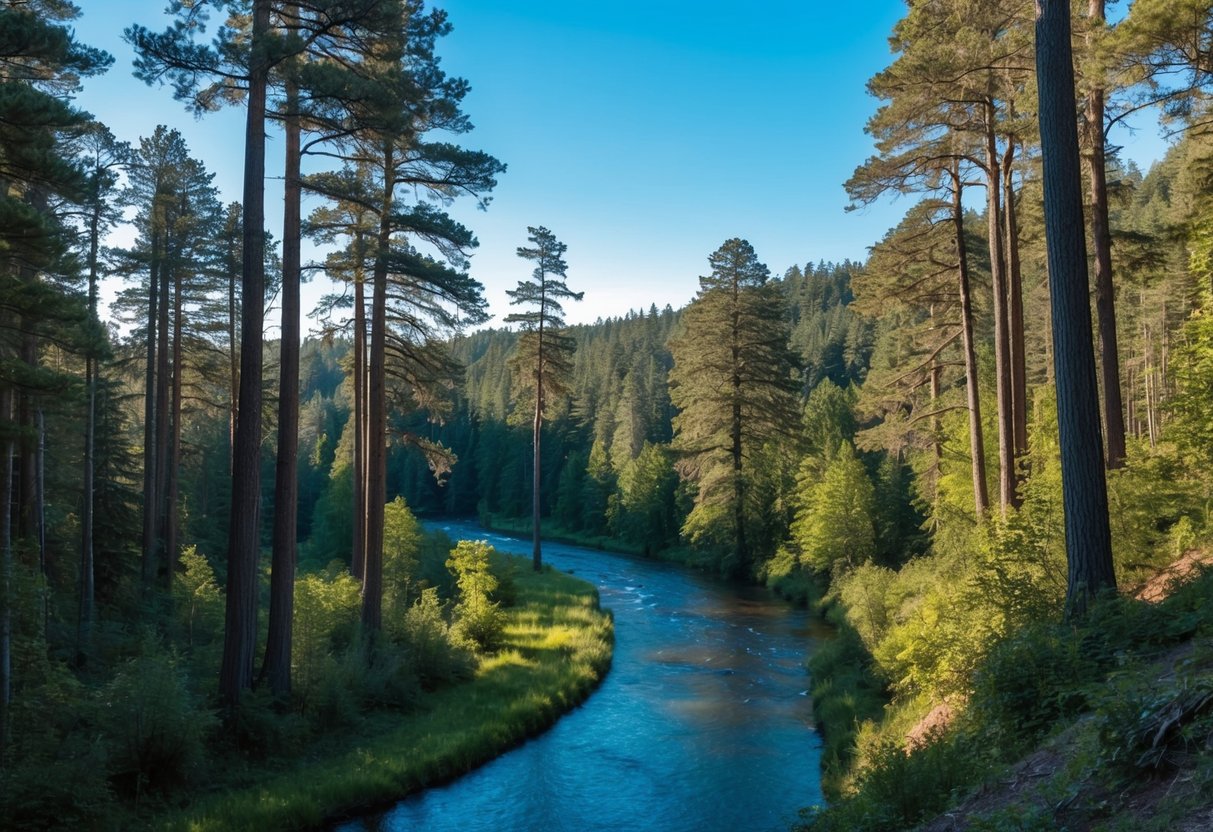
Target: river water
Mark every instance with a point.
(704, 722)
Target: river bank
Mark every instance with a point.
(704, 723)
(556, 650)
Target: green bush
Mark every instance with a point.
(899, 789)
(260, 729)
(1030, 681)
(155, 729)
(60, 780)
(477, 618)
(434, 655)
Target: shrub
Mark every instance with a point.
(897, 789)
(434, 655)
(156, 730)
(1031, 680)
(60, 779)
(477, 618)
(326, 618)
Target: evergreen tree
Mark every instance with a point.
(542, 363)
(1084, 491)
(732, 384)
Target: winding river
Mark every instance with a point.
(704, 722)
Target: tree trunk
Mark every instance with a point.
(740, 551)
(358, 555)
(233, 362)
(172, 521)
(536, 552)
(286, 482)
(1019, 383)
(6, 566)
(1105, 292)
(85, 611)
(981, 496)
(1084, 490)
(168, 271)
(376, 496)
(537, 433)
(148, 565)
(240, 623)
(1002, 324)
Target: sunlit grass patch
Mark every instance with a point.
(555, 650)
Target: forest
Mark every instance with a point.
(982, 452)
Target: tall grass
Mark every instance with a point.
(555, 650)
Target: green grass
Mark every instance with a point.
(556, 650)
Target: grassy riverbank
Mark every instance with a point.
(555, 651)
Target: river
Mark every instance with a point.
(704, 722)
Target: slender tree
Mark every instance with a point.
(104, 157)
(1084, 490)
(1094, 130)
(544, 358)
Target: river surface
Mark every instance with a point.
(704, 722)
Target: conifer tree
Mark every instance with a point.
(1084, 490)
(543, 360)
(733, 387)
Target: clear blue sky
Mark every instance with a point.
(643, 134)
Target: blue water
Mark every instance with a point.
(704, 722)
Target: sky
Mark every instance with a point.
(643, 134)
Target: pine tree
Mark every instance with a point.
(543, 361)
(732, 384)
(1084, 490)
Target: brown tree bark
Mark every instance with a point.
(358, 555)
(981, 496)
(85, 612)
(172, 520)
(1084, 489)
(1019, 384)
(1101, 241)
(168, 272)
(286, 475)
(148, 564)
(240, 622)
(1002, 324)
(376, 468)
(6, 565)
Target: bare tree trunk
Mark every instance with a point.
(537, 433)
(358, 556)
(376, 496)
(286, 474)
(981, 496)
(233, 364)
(536, 553)
(1105, 292)
(85, 611)
(171, 516)
(1002, 328)
(1084, 489)
(6, 567)
(148, 567)
(240, 623)
(163, 370)
(741, 551)
(1019, 383)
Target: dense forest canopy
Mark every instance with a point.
(201, 500)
